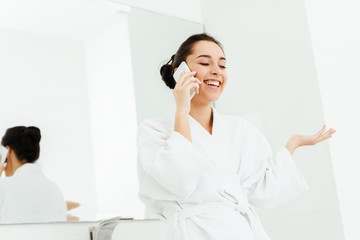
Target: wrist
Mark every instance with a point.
(181, 113)
(293, 143)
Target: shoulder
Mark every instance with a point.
(164, 124)
(239, 123)
(235, 120)
(243, 129)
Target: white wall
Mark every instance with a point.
(272, 83)
(335, 35)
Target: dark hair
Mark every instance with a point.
(24, 141)
(185, 49)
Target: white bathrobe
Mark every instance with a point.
(206, 189)
(30, 197)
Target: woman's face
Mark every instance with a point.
(208, 61)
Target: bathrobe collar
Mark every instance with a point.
(215, 124)
(26, 169)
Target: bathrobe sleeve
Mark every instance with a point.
(170, 165)
(274, 180)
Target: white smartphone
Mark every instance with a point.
(183, 67)
(3, 153)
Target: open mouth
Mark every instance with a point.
(214, 83)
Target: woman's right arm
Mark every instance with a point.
(170, 164)
(182, 99)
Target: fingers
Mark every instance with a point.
(71, 205)
(322, 130)
(192, 83)
(187, 81)
(328, 134)
(184, 76)
(71, 218)
(2, 168)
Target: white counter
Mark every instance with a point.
(130, 230)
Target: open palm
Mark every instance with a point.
(320, 136)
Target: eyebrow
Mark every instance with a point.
(208, 56)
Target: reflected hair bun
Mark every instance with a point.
(33, 134)
(25, 141)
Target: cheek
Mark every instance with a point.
(225, 82)
(200, 74)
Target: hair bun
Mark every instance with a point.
(166, 72)
(30, 135)
(34, 134)
(24, 141)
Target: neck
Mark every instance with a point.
(202, 113)
(16, 164)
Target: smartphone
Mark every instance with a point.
(183, 67)
(3, 153)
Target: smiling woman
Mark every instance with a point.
(203, 172)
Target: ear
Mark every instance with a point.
(9, 150)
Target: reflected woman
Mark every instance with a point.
(202, 171)
(27, 195)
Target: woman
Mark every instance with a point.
(27, 195)
(203, 172)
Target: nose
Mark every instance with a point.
(215, 70)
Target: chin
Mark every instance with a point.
(212, 98)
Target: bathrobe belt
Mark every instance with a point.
(239, 204)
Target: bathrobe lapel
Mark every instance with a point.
(214, 148)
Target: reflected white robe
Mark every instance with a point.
(206, 189)
(30, 197)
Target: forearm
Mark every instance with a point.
(182, 125)
(293, 144)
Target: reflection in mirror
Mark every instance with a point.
(75, 69)
(27, 195)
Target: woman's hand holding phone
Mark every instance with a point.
(186, 87)
(182, 95)
(181, 92)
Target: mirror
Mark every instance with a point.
(83, 71)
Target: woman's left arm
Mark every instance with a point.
(305, 140)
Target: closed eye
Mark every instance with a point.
(207, 64)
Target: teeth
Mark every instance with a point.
(212, 83)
